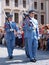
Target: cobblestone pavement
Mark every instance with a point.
(21, 59)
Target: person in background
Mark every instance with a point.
(44, 38)
(1, 34)
(19, 35)
(47, 38)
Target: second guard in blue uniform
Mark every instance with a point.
(10, 27)
(33, 34)
(25, 29)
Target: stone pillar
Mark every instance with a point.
(20, 4)
(27, 4)
(0, 12)
(38, 11)
(47, 11)
(30, 4)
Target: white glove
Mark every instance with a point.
(11, 29)
(38, 37)
(35, 37)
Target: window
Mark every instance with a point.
(35, 16)
(35, 5)
(16, 3)
(42, 6)
(7, 2)
(24, 3)
(16, 18)
(42, 19)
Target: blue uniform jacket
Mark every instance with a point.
(31, 28)
(8, 26)
(28, 28)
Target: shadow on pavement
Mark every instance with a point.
(19, 59)
(42, 55)
(22, 59)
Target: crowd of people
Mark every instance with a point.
(43, 41)
(44, 37)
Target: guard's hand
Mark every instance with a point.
(15, 32)
(11, 29)
(38, 37)
(35, 37)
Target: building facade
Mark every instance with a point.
(18, 7)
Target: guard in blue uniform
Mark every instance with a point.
(33, 34)
(10, 27)
(25, 27)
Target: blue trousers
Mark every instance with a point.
(26, 46)
(10, 46)
(32, 47)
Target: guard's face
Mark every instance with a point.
(26, 17)
(31, 14)
(10, 18)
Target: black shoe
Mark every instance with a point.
(11, 57)
(27, 55)
(32, 60)
(35, 59)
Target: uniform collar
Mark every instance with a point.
(32, 17)
(10, 21)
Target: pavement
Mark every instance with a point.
(21, 59)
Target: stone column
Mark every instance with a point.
(20, 4)
(0, 12)
(38, 11)
(30, 4)
(47, 11)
